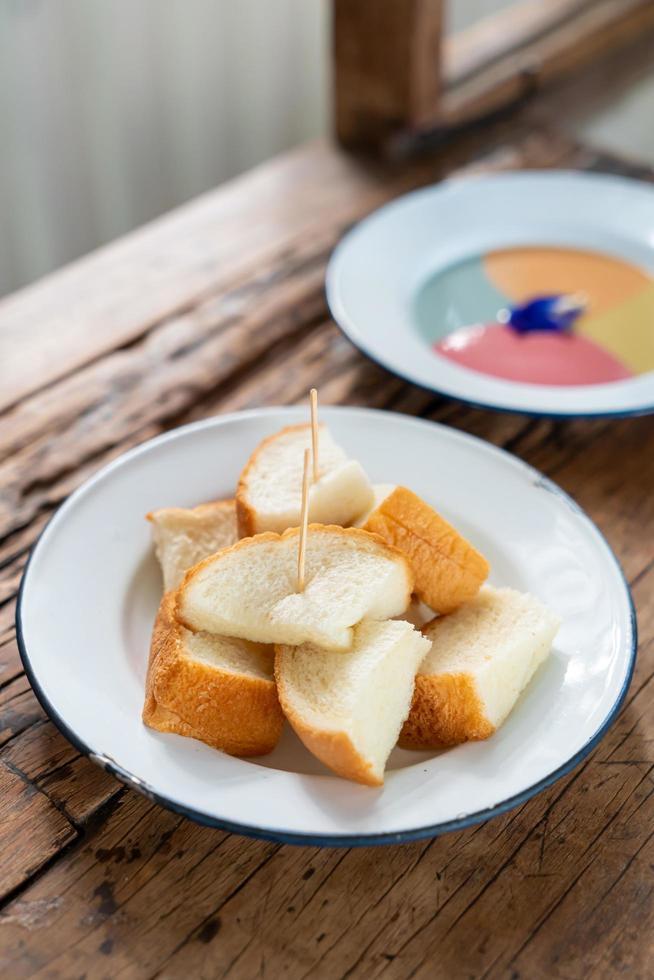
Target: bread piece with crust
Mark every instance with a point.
(481, 658)
(448, 570)
(348, 708)
(212, 688)
(249, 590)
(269, 492)
(183, 536)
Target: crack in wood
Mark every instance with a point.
(561, 898)
(274, 849)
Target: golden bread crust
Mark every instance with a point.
(334, 749)
(246, 516)
(448, 570)
(238, 714)
(445, 711)
(165, 720)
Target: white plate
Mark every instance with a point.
(378, 271)
(91, 589)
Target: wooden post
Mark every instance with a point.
(386, 67)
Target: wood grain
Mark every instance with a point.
(45, 759)
(222, 241)
(32, 830)
(19, 709)
(217, 242)
(102, 883)
(10, 665)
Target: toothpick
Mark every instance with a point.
(304, 524)
(314, 432)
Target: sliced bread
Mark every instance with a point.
(212, 688)
(348, 708)
(249, 590)
(269, 492)
(482, 657)
(448, 570)
(184, 536)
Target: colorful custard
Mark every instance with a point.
(459, 312)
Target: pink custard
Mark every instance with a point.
(533, 358)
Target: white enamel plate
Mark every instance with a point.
(92, 587)
(415, 286)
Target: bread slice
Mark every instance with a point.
(212, 688)
(249, 590)
(348, 708)
(184, 536)
(269, 492)
(448, 570)
(481, 658)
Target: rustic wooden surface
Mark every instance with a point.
(217, 307)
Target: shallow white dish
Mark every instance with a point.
(380, 269)
(92, 586)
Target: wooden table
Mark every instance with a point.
(217, 307)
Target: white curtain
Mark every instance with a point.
(113, 111)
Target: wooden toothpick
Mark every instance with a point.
(314, 432)
(304, 524)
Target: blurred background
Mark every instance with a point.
(115, 111)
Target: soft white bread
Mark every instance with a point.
(380, 491)
(348, 708)
(447, 569)
(482, 657)
(269, 492)
(184, 536)
(212, 688)
(249, 590)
